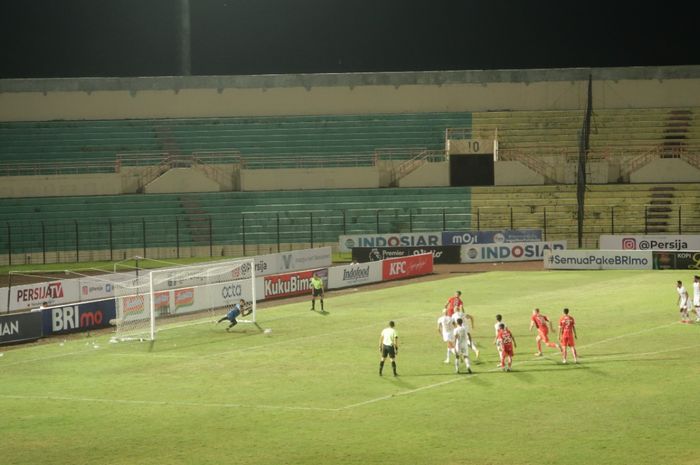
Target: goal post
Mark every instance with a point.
(146, 303)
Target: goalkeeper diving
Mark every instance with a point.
(240, 309)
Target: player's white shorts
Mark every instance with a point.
(447, 336)
(462, 349)
(683, 304)
(696, 300)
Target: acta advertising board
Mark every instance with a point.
(414, 265)
(78, 317)
(441, 254)
(347, 242)
(515, 252)
(598, 260)
(290, 284)
(649, 242)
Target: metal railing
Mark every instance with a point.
(77, 240)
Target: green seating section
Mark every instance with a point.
(253, 137)
(609, 209)
(613, 131)
(227, 218)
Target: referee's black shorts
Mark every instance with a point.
(388, 351)
(317, 292)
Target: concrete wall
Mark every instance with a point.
(666, 170)
(61, 185)
(199, 96)
(183, 180)
(514, 173)
(311, 178)
(428, 175)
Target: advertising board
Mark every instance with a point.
(291, 284)
(649, 242)
(598, 259)
(78, 317)
(508, 252)
(441, 254)
(347, 242)
(20, 327)
(406, 267)
(676, 260)
(354, 275)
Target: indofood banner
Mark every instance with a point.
(354, 275)
(677, 260)
(515, 252)
(598, 260)
(649, 242)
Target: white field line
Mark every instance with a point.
(164, 403)
(48, 357)
(322, 409)
(265, 346)
(286, 407)
(456, 379)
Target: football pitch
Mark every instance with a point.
(310, 393)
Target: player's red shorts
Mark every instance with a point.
(544, 334)
(507, 349)
(567, 339)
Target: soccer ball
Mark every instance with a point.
(268, 332)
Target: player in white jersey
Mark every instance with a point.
(683, 302)
(462, 343)
(459, 314)
(696, 297)
(496, 327)
(445, 329)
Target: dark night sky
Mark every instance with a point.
(71, 38)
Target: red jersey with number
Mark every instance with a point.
(566, 330)
(540, 322)
(505, 338)
(566, 325)
(452, 304)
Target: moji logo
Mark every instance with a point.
(629, 243)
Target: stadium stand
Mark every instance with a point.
(280, 137)
(182, 220)
(632, 208)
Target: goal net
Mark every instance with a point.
(144, 303)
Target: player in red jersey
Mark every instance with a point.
(506, 341)
(567, 335)
(454, 303)
(542, 323)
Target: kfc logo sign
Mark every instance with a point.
(416, 265)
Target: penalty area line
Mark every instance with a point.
(164, 403)
(454, 380)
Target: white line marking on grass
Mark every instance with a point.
(454, 380)
(165, 403)
(621, 336)
(49, 357)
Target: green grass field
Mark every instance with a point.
(310, 393)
